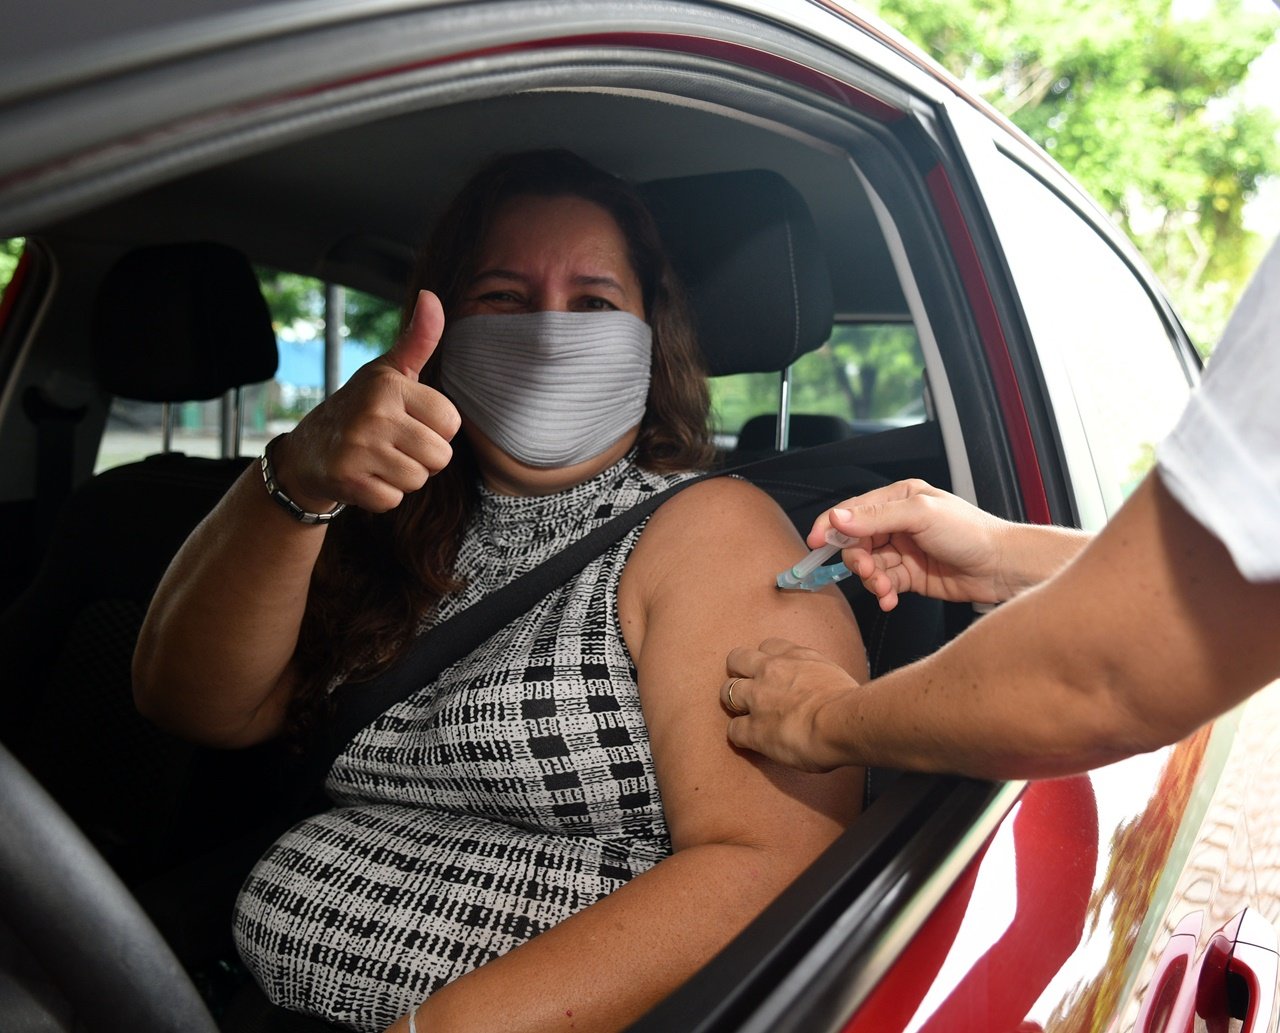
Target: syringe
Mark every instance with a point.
(809, 574)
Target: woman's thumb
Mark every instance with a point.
(417, 344)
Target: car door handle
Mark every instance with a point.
(1235, 978)
(1239, 972)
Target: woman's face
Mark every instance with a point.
(549, 254)
(552, 254)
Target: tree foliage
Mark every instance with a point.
(295, 299)
(1137, 863)
(863, 373)
(10, 252)
(881, 367)
(1142, 105)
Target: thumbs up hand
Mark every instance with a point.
(381, 435)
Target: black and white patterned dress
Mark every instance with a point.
(490, 805)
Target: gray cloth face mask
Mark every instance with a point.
(549, 388)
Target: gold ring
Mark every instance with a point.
(733, 705)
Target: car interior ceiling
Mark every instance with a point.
(349, 206)
(359, 198)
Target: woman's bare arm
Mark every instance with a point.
(213, 657)
(742, 828)
(213, 661)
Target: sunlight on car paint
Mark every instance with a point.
(981, 928)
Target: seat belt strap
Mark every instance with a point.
(55, 450)
(357, 704)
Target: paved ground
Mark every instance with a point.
(128, 446)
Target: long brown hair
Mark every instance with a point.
(378, 574)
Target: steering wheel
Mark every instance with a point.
(73, 913)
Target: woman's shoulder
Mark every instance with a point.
(710, 552)
(717, 509)
(719, 490)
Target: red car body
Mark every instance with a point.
(1143, 896)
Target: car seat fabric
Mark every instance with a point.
(757, 436)
(747, 250)
(67, 642)
(68, 646)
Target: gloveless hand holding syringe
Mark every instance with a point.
(809, 574)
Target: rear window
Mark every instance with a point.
(297, 303)
(866, 377)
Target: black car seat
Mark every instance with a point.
(172, 323)
(804, 430)
(746, 246)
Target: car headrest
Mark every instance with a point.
(746, 247)
(182, 322)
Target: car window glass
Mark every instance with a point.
(297, 304)
(1091, 315)
(868, 376)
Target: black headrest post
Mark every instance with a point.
(747, 249)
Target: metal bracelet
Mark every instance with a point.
(283, 501)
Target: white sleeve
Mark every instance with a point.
(1222, 460)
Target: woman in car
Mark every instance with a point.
(554, 833)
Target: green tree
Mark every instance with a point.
(1141, 105)
(10, 252)
(882, 366)
(292, 298)
(300, 299)
(372, 320)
